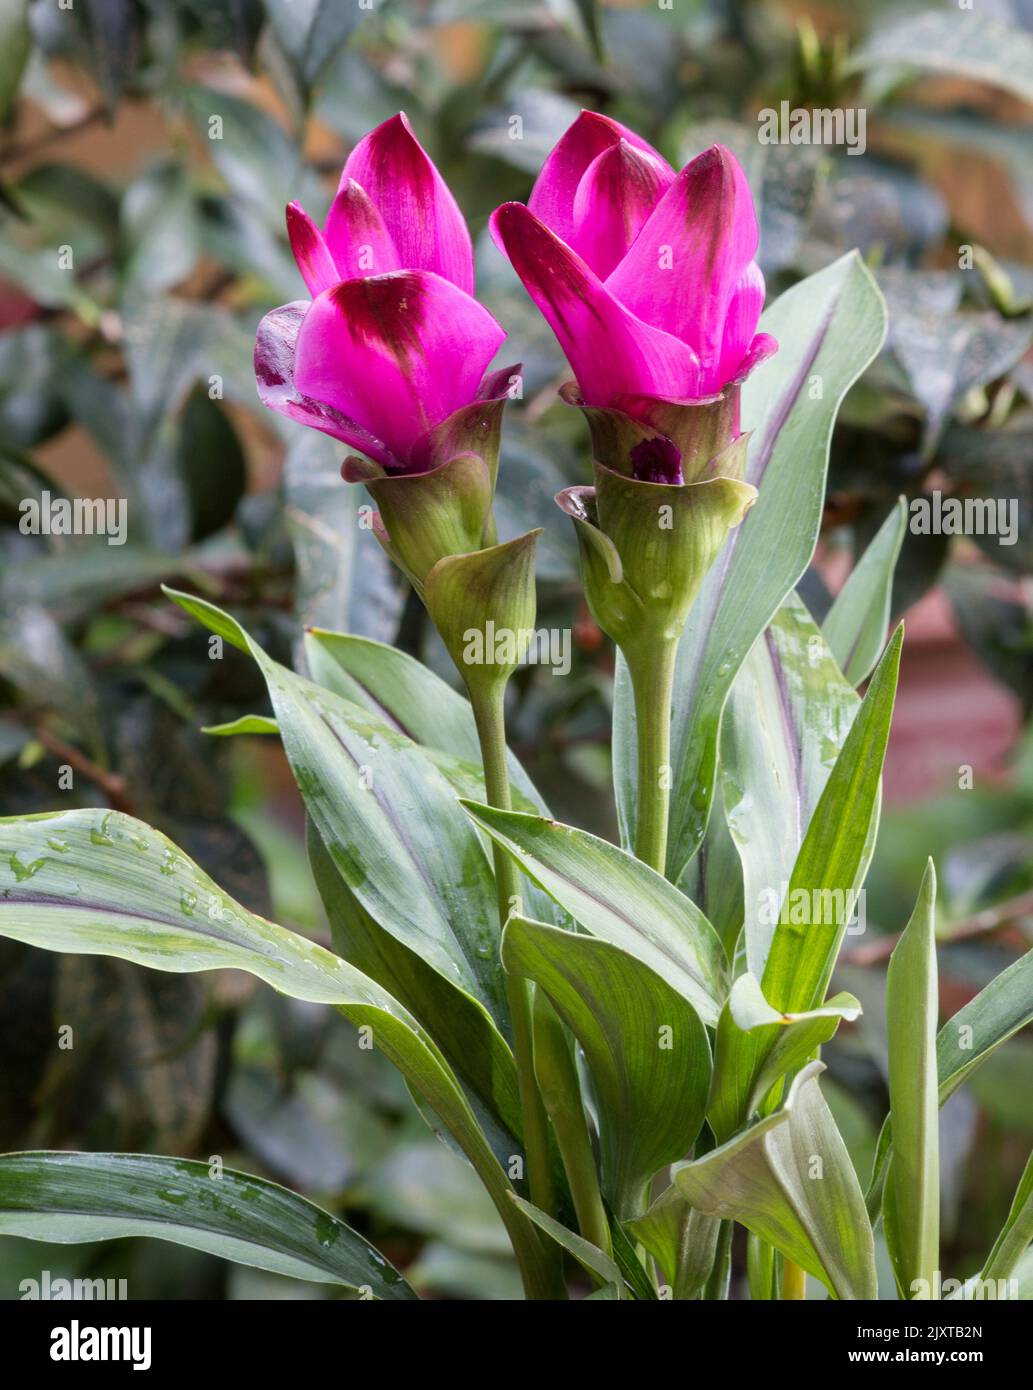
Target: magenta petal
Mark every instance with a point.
(684, 266)
(421, 216)
(744, 309)
(356, 236)
(552, 198)
(762, 347)
(275, 346)
(310, 251)
(609, 349)
(500, 383)
(619, 190)
(397, 353)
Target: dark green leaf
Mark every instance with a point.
(617, 899)
(855, 626)
(789, 1179)
(681, 1239)
(644, 1045)
(101, 883)
(389, 822)
(911, 1203)
(789, 712)
(1013, 1242)
(69, 1198)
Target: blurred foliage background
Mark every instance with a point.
(147, 150)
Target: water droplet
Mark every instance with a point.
(61, 846)
(187, 902)
(99, 835)
(24, 871)
(173, 1194)
(327, 1230)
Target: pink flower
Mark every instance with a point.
(646, 277)
(392, 343)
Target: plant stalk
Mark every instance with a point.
(560, 1089)
(488, 709)
(716, 1287)
(651, 665)
(794, 1281)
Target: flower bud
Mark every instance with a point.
(484, 606)
(646, 546)
(425, 516)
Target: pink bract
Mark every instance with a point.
(393, 342)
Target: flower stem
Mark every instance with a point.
(717, 1283)
(560, 1089)
(651, 665)
(488, 710)
(794, 1281)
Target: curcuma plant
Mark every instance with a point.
(623, 1041)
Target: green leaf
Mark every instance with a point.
(1019, 1286)
(114, 35)
(590, 18)
(246, 724)
(160, 235)
(997, 1012)
(750, 1009)
(975, 1032)
(252, 152)
(789, 1179)
(15, 46)
(855, 627)
(403, 876)
(1013, 1242)
(826, 877)
(617, 899)
(43, 280)
(74, 1197)
(957, 42)
(389, 821)
(597, 1263)
(102, 883)
(946, 352)
(785, 723)
(911, 1204)
(83, 579)
(834, 853)
(210, 460)
(47, 672)
(643, 1042)
(829, 327)
(401, 690)
(312, 31)
(461, 1028)
(342, 576)
(682, 1240)
(736, 1092)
